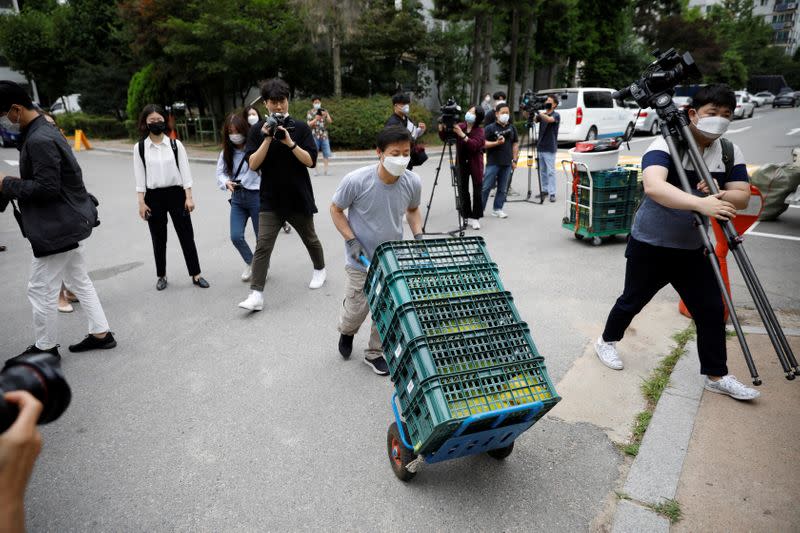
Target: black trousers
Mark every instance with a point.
(648, 270)
(470, 208)
(171, 200)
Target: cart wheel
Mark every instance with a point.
(501, 453)
(597, 241)
(565, 220)
(579, 236)
(399, 455)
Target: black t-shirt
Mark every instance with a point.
(548, 134)
(285, 184)
(501, 155)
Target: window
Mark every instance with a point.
(763, 2)
(597, 99)
(568, 100)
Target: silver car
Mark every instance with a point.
(646, 119)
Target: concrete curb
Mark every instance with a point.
(656, 471)
(345, 159)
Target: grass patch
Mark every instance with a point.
(668, 508)
(654, 386)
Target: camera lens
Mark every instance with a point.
(40, 375)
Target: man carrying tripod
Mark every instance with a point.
(666, 248)
(548, 145)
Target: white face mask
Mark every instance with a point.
(712, 127)
(236, 138)
(405, 109)
(252, 119)
(317, 105)
(395, 165)
(487, 99)
(503, 118)
(469, 117)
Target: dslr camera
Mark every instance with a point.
(493, 136)
(39, 374)
(275, 120)
(451, 113)
(320, 111)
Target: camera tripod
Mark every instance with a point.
(450, 140)
(532, 153)
(675, 130)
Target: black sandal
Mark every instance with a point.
(201, 282)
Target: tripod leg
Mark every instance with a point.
(771, 324)
(455, 178)
(433, 190)
(748, 356)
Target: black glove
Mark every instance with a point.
(418, 237)
(355, 250)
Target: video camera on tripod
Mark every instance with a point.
(451, 114)
(531, 102)
(655, 89)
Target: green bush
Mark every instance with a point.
(357, 121)
(93, 126)
(142, 90)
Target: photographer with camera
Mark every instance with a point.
(666, 248)
(401, 108)
(286, 192)
(547, 145)
(502, 151)
(375, 197)
(235, 176)
(470, 141)
(56, 214)
(318, 119)
(20, 445)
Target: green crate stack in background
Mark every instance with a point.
(452, 336)
(614, 195)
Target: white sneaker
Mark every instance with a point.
(607, 353)
(475, 223)
(254, 302)
(248, 271)
(732, 387)
(318, 279)
(499, 214)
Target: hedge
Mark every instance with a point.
(357, 121)
(99, 127)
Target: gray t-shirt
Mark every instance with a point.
(374, 209)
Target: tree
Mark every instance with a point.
(449, 60)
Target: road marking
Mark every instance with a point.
(773, 235)
(11, 162)
(739, 130)
(793, 131)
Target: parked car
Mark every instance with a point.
(8, 139)
(589, 113)
(748, 96)
(646, 119)
(764, 97)
(744, 107)
(786, 99)
(66, 104)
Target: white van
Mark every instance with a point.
(589, 113)
(66, 104)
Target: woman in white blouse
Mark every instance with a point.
(164, 185)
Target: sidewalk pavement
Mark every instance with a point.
(731, 466)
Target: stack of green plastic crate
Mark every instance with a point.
(453, 338)
(614, 197)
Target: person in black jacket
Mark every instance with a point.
(57, 215)
(401, 107)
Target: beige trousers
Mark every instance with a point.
(355, 310)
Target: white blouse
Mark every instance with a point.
(161, 168)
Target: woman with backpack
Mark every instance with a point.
(234, 175)
(164, 185)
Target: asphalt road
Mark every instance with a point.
(209, 418)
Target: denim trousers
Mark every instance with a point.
(500, 175)
(244, 205)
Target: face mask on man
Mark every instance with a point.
(712, 127)
(236, 138)
(503, 118)
(252, 119)
(157, 128)
(395, 165)
(317, 105)
(405, 109)
(469, 117)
